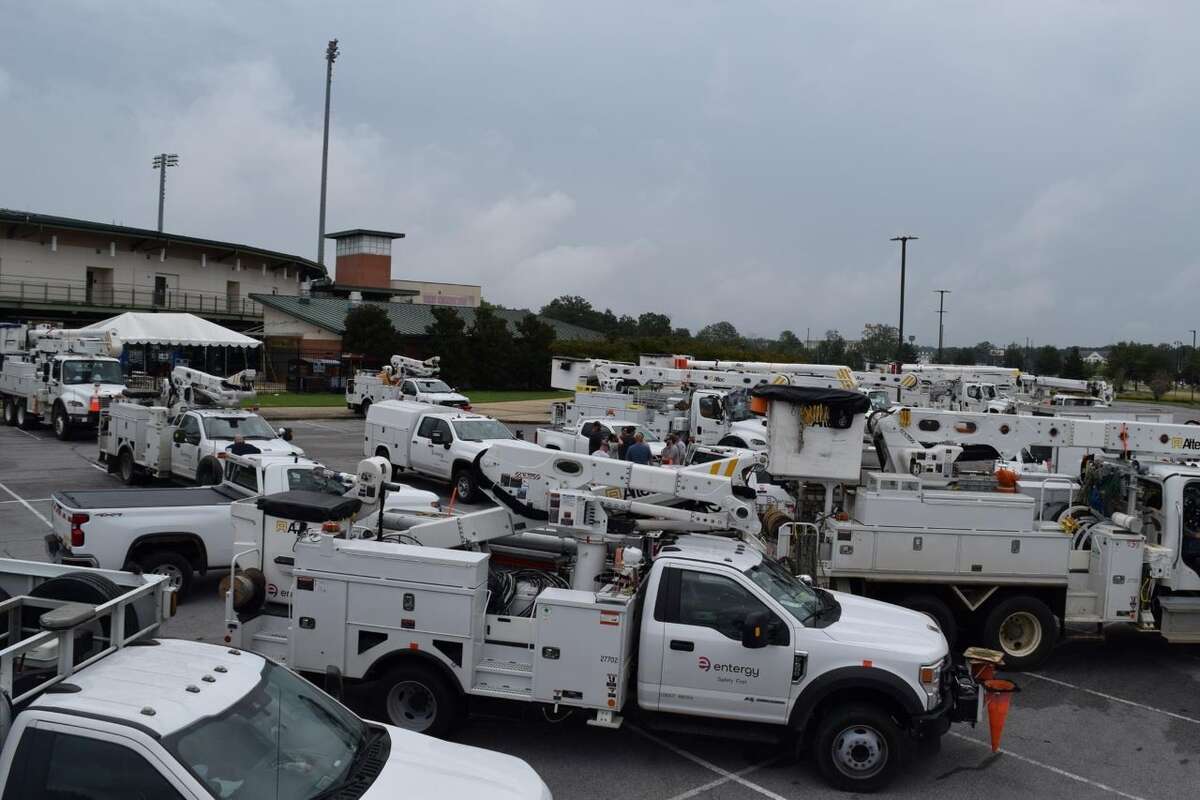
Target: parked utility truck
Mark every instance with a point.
(96, 706)
(432, 441)
(403, 379)
(185, 431)
(676, 613)
(57, 377)
(575, 440)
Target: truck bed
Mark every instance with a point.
(170, 497)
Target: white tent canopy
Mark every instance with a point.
(169, 329)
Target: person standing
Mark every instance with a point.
(639, 451)
(599, 434)
(668, 451)
(679, 457)
(626, 441)
(602, 451)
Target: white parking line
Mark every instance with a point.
(25, 503)
(695, 759)
(19, 500)
(699, 790)
(1114, 698)
(1034, 762)
(30, 435)
(94, 465)
(322, 427)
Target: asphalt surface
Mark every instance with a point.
(1113, 717)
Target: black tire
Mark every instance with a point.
(10, 413)
(209, 472)
(858, 748)
(1023, 628)
(933, 606)
(464, 483)
(170, 563)
(731, 441)
(126, 468)
(416, 698)
(80, 587)
(24, 419)
(60, 421)
(363, 407)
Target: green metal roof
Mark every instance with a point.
(12, 221)
(409, 319)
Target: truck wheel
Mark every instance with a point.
(1022, 628)
(126, 468)
(165, 562)
(464, 485)
(858, 748)
(363, 406)
(934, 607)
(10, 413)
(208, 473)
(414, 697)
(61, 423)
(24, 421)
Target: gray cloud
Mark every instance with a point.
(723, 161)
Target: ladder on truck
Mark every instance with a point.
(47, 640)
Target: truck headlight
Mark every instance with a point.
(930, 678)
(74, 404)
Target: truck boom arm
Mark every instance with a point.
(188, 388)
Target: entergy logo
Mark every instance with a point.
(705, 664)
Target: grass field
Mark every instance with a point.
(1178, 397)
(333, 400)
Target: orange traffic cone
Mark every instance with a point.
(997, 698)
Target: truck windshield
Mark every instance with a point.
(308, 481)
(285, 739)
(77, 372)
(481, 430)
(737, 406)
(799, 600)
(434, 386)
(252, 427)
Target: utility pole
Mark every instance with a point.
(941, 316)
(331, 54)
(903, 239)
(1193, 356)
(161, 162)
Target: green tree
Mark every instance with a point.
(652, 325)
(533, 352)
(1014, 356)
(1160, 383)
(573, 309)
(962, 356)
(878, 342)
(448, 339)
(1073, 366)
(720, 333)
(831, 349)
(369, 331)
(491, 350)
(1048, 360)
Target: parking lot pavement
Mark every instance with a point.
(1113, 718)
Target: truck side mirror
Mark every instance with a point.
(754, 630)
(285, 434)
(179, 437)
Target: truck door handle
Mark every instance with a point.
(687, 647)
(285, 561)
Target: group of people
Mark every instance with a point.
(631, 445)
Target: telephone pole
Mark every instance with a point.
(941, 316)
(331, 54)
(903, 239)
(161, 162)
(1192, 357)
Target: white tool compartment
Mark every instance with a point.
(582, 646)
(1115, 570)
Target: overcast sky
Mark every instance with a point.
(736, 160)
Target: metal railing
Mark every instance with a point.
(26, 290)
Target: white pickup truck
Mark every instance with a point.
(179, 532)
(433, 441)
(573, 440)
(138, 442)
(366, 388)
(180, 720)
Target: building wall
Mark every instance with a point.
(278, 324)
(36, 262)
(441, 294)
(364, 269)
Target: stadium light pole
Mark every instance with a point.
(903, 239)
(161, 162)
(1193, 355)
(331, 54)
(941, 317)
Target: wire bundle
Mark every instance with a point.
(504, 586)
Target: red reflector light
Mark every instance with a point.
(77, 521)
(95, 404)
(331, 527)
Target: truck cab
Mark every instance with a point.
(434, 391)
(199, 439)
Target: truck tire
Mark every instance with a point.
(209, 472)
(858, 747)
(24, 420)
(10, 413)
(126, 469)
(1023, 628)
(934, 607)
(81, 587)
(60, 420)
(465, 485)
(363, 406)
(166, 562)
(414, 697)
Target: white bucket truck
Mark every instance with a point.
(403, 379)
(93, 705)
(723, 634)
(57, 377)
(186, 433)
